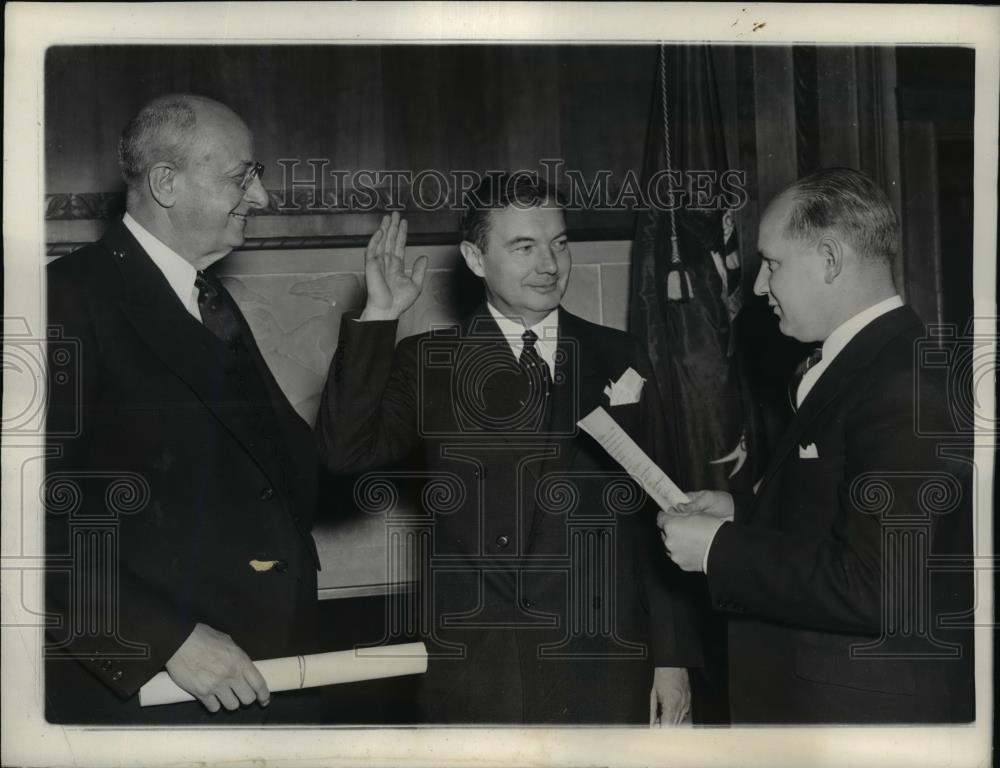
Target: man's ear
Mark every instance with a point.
(162, 180)
(473, 257)
(831, 250)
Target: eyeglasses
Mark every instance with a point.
(255, 171)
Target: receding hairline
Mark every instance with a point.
(180, 128)
(841, 202)
(773, 210)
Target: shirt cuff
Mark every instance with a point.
(704, 560)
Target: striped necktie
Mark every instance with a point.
(537, 370)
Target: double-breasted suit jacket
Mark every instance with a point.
(546, 600)
(181, 488)
(838, 612)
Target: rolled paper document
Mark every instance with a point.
(294, 672)
(623, 449)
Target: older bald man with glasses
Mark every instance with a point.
(212, 565)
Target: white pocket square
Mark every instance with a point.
(808, 451)
(626, 390)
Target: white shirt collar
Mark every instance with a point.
(179, 272)
(547, 330)
(840, 338)
(847, 330)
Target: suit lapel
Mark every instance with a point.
(575, 393)
(577, 389)
(482, 331)
(854, 358)
(183, 345)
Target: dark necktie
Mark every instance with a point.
(537, 370)
(215, 311)
(793, 386)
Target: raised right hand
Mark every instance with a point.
(713, 503)
(390, 290)
(213, 669)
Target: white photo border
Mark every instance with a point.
(32, 27)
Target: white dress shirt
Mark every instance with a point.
(832, 347)
(837, 340)
(546, 329)
(179, 272)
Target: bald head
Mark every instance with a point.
(192, 177)
(170, 129)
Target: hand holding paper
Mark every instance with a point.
(688, 537)
(623, 449)
(209, 666)
(310, 671)
(718, 504)
(688, 524)
(688, 529)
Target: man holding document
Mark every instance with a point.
(543, 589)
(836, 614)
(181, 484)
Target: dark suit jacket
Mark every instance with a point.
(541, 568)
(834, 606)
(166, 479)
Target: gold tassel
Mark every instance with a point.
(679, 287)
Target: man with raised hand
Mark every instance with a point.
(545, 602)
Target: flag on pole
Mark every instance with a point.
(687, 279)
(686, 297)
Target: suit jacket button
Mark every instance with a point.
(117, 675)
(267, 494)
(106, 665)
(502, 542)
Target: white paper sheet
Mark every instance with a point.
(293, 672)
(623, 449)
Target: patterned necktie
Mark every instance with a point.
(800, 371)
(537, 370)
(215, 311)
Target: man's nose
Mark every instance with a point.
(760, 285)
(546, 263)
(256, 195)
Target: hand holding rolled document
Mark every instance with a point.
(293, 672)
(623, 449)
